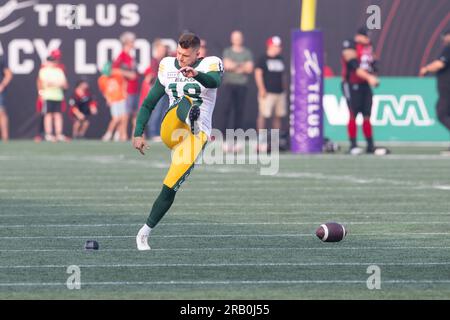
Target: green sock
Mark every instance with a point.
(161, 206)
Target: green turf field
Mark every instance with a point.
(231, 234)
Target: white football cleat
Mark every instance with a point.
(142, 238)
(356, 151)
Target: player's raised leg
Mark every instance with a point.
(176, 134)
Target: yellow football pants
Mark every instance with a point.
(186, 147)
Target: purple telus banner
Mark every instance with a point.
(307, 92)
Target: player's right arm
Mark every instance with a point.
(351, 58)
(260, 82)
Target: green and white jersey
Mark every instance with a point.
(176, 86)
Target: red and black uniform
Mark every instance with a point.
(357, 91)
(83, 103)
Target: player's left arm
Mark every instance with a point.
(211, 79)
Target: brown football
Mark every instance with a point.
(331, 232)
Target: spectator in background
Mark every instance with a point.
(160, 51)
(82, 105)
(56, 56)
(203, 51)
(271, 80)
(358, 76)
(238, 65)
(51, 85)
(113, 87)
(327, 70)
(126, 65)
(5, 78)
(441, 67)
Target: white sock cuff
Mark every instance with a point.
(146, 229)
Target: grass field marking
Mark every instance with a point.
(388, 248)
(228, 282)
(223, 235)
(207, 265)
(357, 180)
(121, 159)
(219, 189)
(137, 224)
(266, 213)
(205, 204)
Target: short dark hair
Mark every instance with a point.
(364, 31)
(189, 40)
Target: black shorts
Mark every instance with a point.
(85, 110)
(52, 106)
(359, 98)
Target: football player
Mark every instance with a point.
(358, 76)
(191, 83)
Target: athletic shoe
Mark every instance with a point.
(107, 136)
(49, 137)
(142, 239)
(61, 138)
(355, 151)
(381, 151)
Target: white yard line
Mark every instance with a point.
(102, 225)
(228, 282)
(200, 204)
(265, 213)
(218, 265)
(218, 189)
(324, 248)
(280, 235)
(358, 180)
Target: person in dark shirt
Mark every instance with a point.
(271, 80)
(82, 105)
(358, 78)
(5, 79)
(441, 67)
(238, 64)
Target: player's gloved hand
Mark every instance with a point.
(194, 114)
(140, 144)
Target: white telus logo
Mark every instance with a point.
(312, 66)
(386, 110)
(10, 7)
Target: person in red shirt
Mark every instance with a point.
(160, 51)
(126, 63)
(82, 106)
(358, 76)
